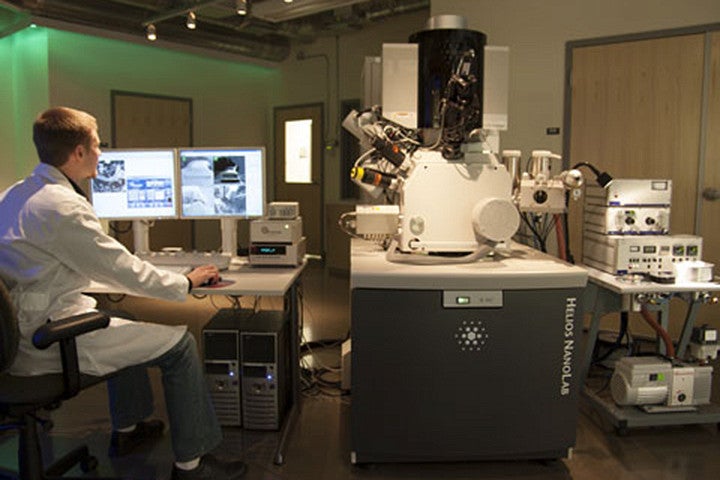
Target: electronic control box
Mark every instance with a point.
(266, 230)
(654, 255)
(629, 207)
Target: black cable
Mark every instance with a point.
(605, 385)
(324, 343)
(114, 226)
(622, 332)
(534, 231)
(549, 222)
(566, 230)
(602, 178)
(112, 298)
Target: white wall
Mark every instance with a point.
(536, 32)
(306, 81)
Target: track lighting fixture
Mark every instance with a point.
(191, 21)
(151, 32)
(241, 6)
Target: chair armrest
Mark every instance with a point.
(68, 327)
(64, 332)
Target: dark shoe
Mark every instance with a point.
(211, 468)
(123, 443)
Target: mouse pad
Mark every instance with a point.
(220, 284)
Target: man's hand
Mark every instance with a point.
(204, 275)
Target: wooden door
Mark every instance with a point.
(150, 121)
(299, 167)
(710, 204)
(636, 113)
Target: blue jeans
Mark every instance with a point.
(193, 425)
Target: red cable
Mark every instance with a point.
(669, 347)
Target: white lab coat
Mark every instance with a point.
(51, 246)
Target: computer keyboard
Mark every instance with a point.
(181, 269)
(187, 259)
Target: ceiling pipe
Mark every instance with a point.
(176, 12)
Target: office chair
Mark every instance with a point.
(22, 397)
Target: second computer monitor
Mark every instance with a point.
(222, 182)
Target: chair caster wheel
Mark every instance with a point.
(89, 464)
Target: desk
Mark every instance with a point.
(607, 293)
(435, 378)
(263, 281)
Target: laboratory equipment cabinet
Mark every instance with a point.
(464, 362)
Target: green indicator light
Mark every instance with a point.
(462, 300)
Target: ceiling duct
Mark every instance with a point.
(279, 11)
(266, 33)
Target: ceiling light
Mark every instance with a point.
(288, 1)
(151, 33)
(191, 21)
(241, 6)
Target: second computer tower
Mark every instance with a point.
(265, 369)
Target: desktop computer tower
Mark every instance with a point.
(265, 369)
(247, 367)
(221, 359)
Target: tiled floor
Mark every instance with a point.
(319, 444)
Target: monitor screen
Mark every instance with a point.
(135, 184)
(222, 182)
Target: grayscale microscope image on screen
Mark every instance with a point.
(221, 183)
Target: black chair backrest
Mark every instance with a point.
(9, 333)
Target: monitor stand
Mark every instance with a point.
(228, 232)
(141, 236)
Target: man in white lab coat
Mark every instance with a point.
(51, 246)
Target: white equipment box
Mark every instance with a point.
(629, 207)
(267, 230)
(647, 254)
(283, 210)
(627, 220)
(630, 192)
(277, 254)
(645, 381)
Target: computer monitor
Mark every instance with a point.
(222, 182)
(135, 184)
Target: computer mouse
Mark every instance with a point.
(211, 282)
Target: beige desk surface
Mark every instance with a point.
(246, 280)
